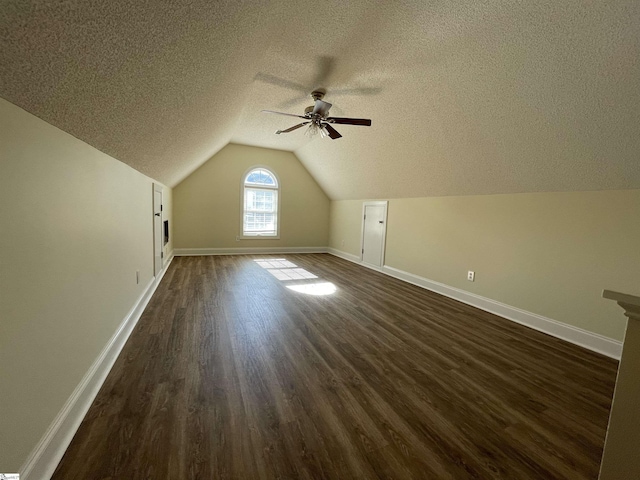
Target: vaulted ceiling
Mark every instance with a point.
(466, 97)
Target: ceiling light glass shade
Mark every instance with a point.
(313, 129)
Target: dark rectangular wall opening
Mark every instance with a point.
(166, 232)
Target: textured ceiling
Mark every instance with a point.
(466, 97)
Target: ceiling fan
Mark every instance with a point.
(324, 71)
(318, 119)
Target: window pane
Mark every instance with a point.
(261, 177)
(260, 200)
(259, 222)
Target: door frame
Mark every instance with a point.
(377, 203)
(157, 189)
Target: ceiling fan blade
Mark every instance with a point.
(280, 113)
(291, 129)
(280, 82)
(357, 91)
(350, 121)
(326, 66)
(333, 133)
(295, 101)
(321, 108)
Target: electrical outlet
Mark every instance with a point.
(342, 243)
(471, 276)
(237, 238)
(137, 277)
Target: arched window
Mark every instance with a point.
(260, 203)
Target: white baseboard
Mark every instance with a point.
(591, 341)
(44, 458)
(354, 259)
(186, 252)
(345, 255)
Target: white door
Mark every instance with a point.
(374, 229)
(157, 230)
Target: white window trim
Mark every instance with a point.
(241, 235)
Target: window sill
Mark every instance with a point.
(258, 237)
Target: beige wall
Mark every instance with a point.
(76, 225)
(547, 253)
(345, 227)
(207, 203)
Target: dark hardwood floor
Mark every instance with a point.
(230, 374)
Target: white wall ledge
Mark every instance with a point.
(620, 457)
(630, 303)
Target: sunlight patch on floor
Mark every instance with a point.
(325, 288)
(287, 271)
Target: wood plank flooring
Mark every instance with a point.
(230, 374)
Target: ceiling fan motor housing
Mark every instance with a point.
(317, 95)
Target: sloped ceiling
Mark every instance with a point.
(466, 97)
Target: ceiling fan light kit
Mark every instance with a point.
(318, 119)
